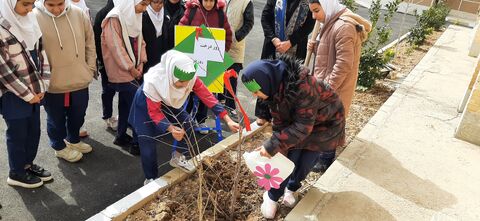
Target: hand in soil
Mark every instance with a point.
(177, 132)
(263, 152)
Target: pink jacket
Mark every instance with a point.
(115, 56)
(338, 54)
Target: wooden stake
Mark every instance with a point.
(316, 29)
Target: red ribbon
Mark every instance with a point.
(226, 79)
(198, 32)
(66, 100)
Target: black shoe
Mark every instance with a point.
(39, 172)
(26, 180)
(134, 150)
(124, 140)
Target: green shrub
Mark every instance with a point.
(350, 4)
(431, 19)
(418, 35)
(372, 62)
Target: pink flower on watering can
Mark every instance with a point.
(266, 177)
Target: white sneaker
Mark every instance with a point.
(204, 132)
(289, 198)
(80, 147)
(269, 207)
(69, 154)
(147, 181)
(179, 161)
(112, 123)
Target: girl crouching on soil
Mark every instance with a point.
(307, 117)
(158, 108)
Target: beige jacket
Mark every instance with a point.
(338, 53)
(235, 19)
(70, 47)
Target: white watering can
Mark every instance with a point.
(270, 172)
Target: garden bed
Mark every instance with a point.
(180, 202)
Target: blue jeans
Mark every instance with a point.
(304, 161)
(148, 150)
(107, 95)
(126, 92)
(65, 122)
(23, 131)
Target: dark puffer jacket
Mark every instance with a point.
(306, 113)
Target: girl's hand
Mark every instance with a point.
(234, 126)
(140, 68)
(263, 152)
(177, 132)
(284, 46)
(135, 73)
(41, 96)
(311, 45)
(276, 42)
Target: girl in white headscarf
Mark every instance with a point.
(341, 39)
(82, 5)
(338, 54)
(153, 32)
(23, 68)
(124, 56)
(157, 109)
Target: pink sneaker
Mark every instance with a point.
(269, 207)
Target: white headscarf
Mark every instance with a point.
(159, 80)
(82, 5)
(331, 8)
(157, 19)
(125, 11)
(24, 28)
(40, 4)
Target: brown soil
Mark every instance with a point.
(180, 202)
(406, 57)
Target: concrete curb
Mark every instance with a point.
(134, 201)
(393, 43)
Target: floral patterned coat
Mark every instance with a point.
(306, 113)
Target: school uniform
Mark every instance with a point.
(22, 75)
(123, 49)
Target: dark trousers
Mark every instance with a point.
(64, 121)
(147, 143)
(304, 161)
(229, 101)
(23, 131)
(107, 95)
(126, 92)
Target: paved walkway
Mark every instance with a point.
(406, 164)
